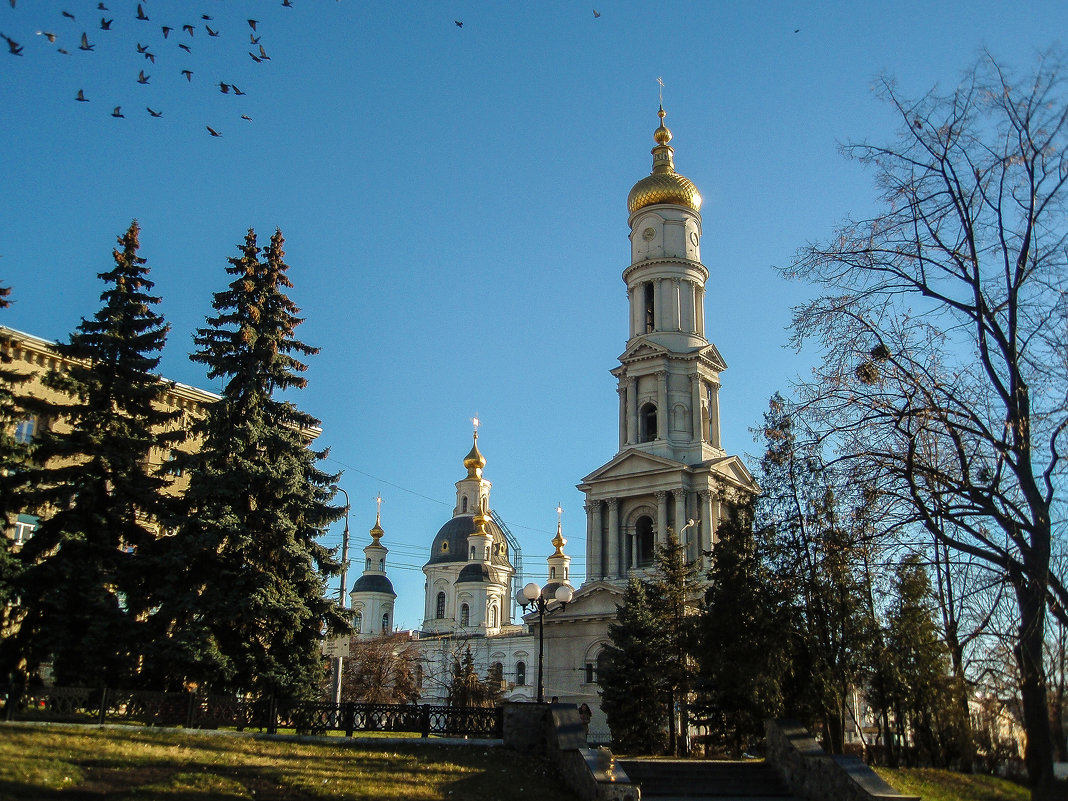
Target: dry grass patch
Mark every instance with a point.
(39, 763)
(945, 785)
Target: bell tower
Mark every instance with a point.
(670, 470)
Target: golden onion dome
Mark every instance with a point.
(474, 461)
(377, 531)
(558, 541)
(664, 185)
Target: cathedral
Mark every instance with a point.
(669, 472)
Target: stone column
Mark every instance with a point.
(635, 323)
(695, 401)
(622, 390)
(676, 304)
(593, 540)
(705, 541)
(632, 410)
(687, 301)
(661, 517)
(700, 310)
(662, 410)
(615, 539)
(680, 518)
(713, 415)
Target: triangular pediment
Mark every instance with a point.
(734, 470)
(592, 599)
(644, 349)
(632, 463)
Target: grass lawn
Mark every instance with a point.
(944, 785)
(84, 763)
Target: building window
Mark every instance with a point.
(647, 422)
(173, 467)
(441, 606)
(644, 545)
(493, 616)
(25, 525)
(465, 615)
(552, 572)
(650, 316)
(591, 674)
(25, 429)
(385, 623)
(368, 563)
(357, 622)
(472, 553)
(520, 673)
(463, 504)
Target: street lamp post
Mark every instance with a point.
(339, 660)
(533, 595)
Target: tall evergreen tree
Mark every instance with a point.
(14, 458)
(82, 585)
(744, 639)
(633, 683)
(467, 688)
(246, 606)
(818, 556)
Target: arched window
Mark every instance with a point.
(441, 606)
(520, 673)
(463, 504)
(493, 616)
(385, 623)
(357, 622)
(643, 534)
(552, 572)
(368, 562)
(647, 422)
(472, 553)
(650, 315)
(465, 615)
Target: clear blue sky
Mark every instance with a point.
(454, 203)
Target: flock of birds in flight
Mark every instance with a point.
(181, 35)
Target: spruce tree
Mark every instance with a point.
(14, 458)
(245, 607)
(633, 683)
(744, 642)
(83, 585)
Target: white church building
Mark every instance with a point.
(669, 472)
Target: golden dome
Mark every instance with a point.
(558, 541)
(377, 531)
(474, 461)
(664, 185)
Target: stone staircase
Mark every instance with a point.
(692, 780)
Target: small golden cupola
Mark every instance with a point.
(474, 461)
(664, 185)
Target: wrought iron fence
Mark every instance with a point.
(202, 711)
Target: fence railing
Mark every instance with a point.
(193, 710)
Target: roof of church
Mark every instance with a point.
(450, 545)
(476, 572)
(664, 185)
(374, 582)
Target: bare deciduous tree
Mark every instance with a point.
(942, 333)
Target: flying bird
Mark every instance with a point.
(255, 58)
(254, 39)
(185, 48)
(142, 78)
(68, 15)
(252, 23)
(48, 35)
(61, 50)
(85, 43)
(458, 23)
(236, 90)
(13, 47)
(210, 31)
(188, 28)
(118, 112)
(167, 31)
(101, 7)
(105, 24)
(205, 16)
(212, 131)
(797, 30)
(263, 54)
(141, 13)
(246, 117)
(154, 113)
(151, 57)
(596, 13)
(224, 87)
(285, 3)
(141, 48)
(188, 74)
(81, 98)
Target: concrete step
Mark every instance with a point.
(666, 779)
